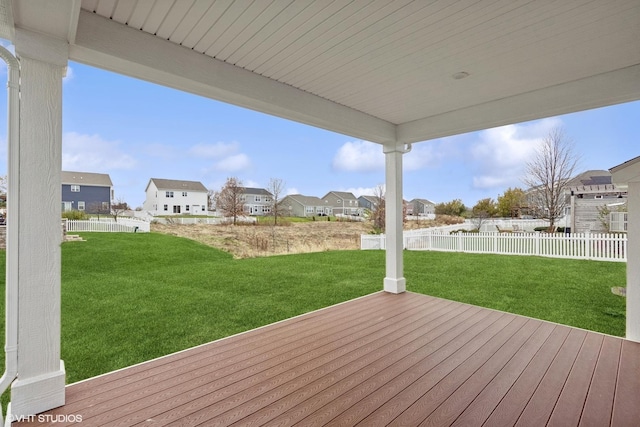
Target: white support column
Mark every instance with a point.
(633, 261)
(394, 282)
(33, 256)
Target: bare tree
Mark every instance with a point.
(229, 200)
(118, 207)
(276, 188)
(378, 211)
(548, 173)
(211, 199)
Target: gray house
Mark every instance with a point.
(368, 202)
(86, 191)
(301, 206)
(590, 193)
(342, 202)
(421, 207)
(257, 201)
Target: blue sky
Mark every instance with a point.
(134, 130)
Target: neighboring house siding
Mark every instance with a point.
(86, 191)
(305, 206)
(95, 199)
(172, 197)
(257, 201)
(342, 202)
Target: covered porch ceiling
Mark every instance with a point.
(380, 70)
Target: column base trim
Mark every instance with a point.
(395, 286)
(34, 395)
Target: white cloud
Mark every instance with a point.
(424, 155)
(364, 191)
(214, 151)
(364, 156)
(292, 190)
(500, 155)
(359, 156)
(235, 163)
(91, 153)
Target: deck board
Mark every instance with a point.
(383, 359)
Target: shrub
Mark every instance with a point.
(77, 215)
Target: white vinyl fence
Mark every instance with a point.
(601, 247)
(108, 225)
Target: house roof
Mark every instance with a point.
(423, 201)
(177, 185)
(86, 178)
(257, 191)
(591, 177)
(386, 72)
(372, 199)
(342, 194)
(306, 200)
(626, 172)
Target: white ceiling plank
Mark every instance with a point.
(194, 14)
(205, 22)
(157, 15)
(250, 32)
(347, 30)
(175, 15)
(109, 45)
(102, 7)
(140, 13)
(330, 21)
(365, 41)
(123, 11)
(225, 25)
(307, 18)
(237, 30)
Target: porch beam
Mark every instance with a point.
(394, 282)
(33, 252)
(111, 46)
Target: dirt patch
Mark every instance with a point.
(248, 241)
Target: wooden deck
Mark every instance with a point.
(382, 359)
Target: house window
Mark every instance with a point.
(176, 209)
(184, 194)
(169, 194)
(166, 207)
(75, 188)
(80, 206)
(258, 199)
(105, 206)
(186, 208)
(202, 207)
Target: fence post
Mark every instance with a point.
(587, 242)
(537, 244)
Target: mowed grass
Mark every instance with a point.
(127, 298)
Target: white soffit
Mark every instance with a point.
(379, 70)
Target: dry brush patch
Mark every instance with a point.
(248, 241)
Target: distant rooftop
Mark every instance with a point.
(86, 178)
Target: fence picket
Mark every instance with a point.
(603, 247)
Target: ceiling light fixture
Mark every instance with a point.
(460, 75)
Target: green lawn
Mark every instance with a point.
(127, 298)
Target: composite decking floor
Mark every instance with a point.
(383, 359)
